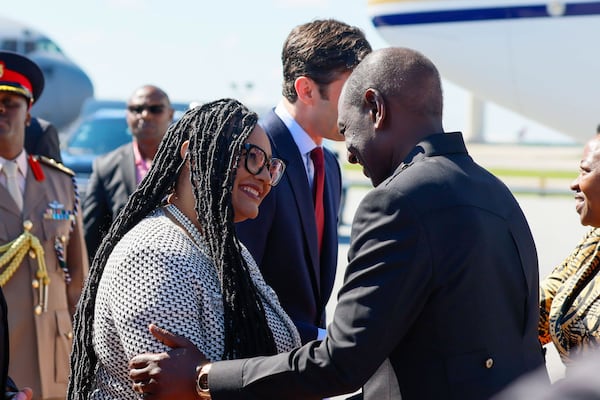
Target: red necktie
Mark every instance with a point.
(319, 182)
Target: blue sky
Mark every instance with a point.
(202, 50)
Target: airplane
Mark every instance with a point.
(533, 57)
(66, 87)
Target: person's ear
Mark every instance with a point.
(184, 149)
(305, 89)
(376, 107)
(28, 119)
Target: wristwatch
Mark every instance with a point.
(202, 381)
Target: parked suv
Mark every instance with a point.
(94, 134)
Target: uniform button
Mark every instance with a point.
(37, 310)
(489, 363)
(35, 284)
(32, 254)
(70, 335)
(27, 225)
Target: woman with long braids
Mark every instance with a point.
(172, 257)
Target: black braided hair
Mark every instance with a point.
(216, 131)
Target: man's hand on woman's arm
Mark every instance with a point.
(167, 375)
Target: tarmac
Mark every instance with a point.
(545, 165)
(546, 202)
(545, 160)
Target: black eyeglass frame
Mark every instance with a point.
(267, 163)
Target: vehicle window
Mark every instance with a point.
(99, 136)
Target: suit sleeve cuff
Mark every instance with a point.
(225, 380)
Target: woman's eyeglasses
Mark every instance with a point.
(256, 160)
(154, 109)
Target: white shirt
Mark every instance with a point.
(302, 139)
(305, 145)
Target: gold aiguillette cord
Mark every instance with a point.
(11, 260)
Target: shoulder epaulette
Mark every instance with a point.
(53, 163)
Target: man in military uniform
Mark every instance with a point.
(43, 258)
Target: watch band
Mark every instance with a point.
(202, 381)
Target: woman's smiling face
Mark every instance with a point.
(249, 190)
(587, 185)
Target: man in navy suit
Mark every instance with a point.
(41, 138)
(440, 296)
(317, 58)
(116, 175)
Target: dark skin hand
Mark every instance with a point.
(167, 375)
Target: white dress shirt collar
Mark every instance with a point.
(21, 161)
(303, 141)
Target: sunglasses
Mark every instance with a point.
(155, 109)
(256, 160)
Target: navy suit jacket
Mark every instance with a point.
(439, 301)
(41, 138)
(283, 238)
(112, 181)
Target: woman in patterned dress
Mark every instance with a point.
(172, 257)
(570, 295)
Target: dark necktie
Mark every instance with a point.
(318, 185)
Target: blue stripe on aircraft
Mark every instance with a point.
(482, 14)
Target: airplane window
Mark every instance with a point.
(29, 46)
(48, 45)
(9, 44)
(43, 44)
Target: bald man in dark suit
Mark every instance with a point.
(440, 296)
(115, 175)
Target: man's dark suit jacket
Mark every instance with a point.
(41, 138)
(112, 181)
(440, 296)
(283, 238)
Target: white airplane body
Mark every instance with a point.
(534, 57)
(66, 86)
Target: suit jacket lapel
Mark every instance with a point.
(296, 174)
(7, 202)
(128, 168)
(31, 198)
(331, 204)
(34, 194)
